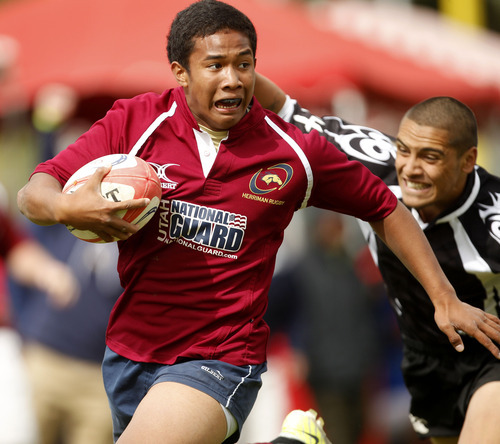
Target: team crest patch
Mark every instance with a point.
(270, 179)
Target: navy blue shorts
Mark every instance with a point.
(127, 382)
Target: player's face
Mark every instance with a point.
(220, 83)
(431, 174)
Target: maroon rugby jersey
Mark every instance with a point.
(196, 277)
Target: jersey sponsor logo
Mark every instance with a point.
(271, 179)
(190, 225)
(166, 183)
(491, 216)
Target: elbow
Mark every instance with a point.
(27, 207)
(21, 201)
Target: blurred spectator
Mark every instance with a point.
(27, 262)
(64, 348)
(340, 338)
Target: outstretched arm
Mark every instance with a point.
(30, 264)
(41, 200)
(404, 237)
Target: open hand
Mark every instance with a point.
(462, 317)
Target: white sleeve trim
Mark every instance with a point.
(286, 112)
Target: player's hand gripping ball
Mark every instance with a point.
(130, 178)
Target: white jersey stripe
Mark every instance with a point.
(151, 129)
(300, 154)
(472, 260)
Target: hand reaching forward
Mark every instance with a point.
(461, 317)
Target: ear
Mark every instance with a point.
(469, 160)
(180, 73)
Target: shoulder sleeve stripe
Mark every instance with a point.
(301, 155)
(151, 129)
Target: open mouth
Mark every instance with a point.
(228, 104)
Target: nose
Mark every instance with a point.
(231, 78)
(411, 165)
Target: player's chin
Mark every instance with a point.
(226, 119)
(414, 202)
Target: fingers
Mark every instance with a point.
(474, 322)
(454, 338)
(485, 330)
(485, 340)
(99, 174)
(493, 319)
(121, 230)
(136, 203)
(491, 329)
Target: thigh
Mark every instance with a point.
(175, 413)
(482, 420)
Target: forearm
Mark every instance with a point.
(401, 233)
(269, 94)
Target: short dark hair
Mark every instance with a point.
(451, 115)
(202, 19)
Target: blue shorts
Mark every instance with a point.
(127, 382)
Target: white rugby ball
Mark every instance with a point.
(130, 178)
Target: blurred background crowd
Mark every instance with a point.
(335, 344)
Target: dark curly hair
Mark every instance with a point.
(202, 19)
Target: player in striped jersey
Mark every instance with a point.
(431, 167)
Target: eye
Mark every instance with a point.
(431, 158)
(215, 66)
(402, 150)
(245, 65)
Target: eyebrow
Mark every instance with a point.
(425, 149)
(243, 53)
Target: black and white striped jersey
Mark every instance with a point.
(465, 239)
